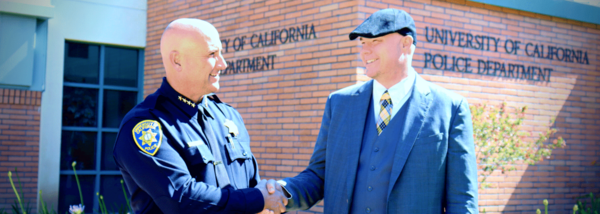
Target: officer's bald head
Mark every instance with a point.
(179, 31)
(191, 55)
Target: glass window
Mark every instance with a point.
(108, 142)
(95, 100)
(82, 62)
(69, 193)
(116, 105)
(80, 147)
(80, 106)
(121, 67)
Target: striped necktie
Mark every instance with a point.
(385, 113)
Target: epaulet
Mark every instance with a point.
(216, 99)
(151, 101)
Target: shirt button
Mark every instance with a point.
(376, 149)
(373, 168)
(370, 188)
(368, 210)
(244, 154)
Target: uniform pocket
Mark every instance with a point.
(236, 151)
(199, 147)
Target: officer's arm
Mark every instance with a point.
(165, 177)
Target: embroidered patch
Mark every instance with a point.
(147, 135)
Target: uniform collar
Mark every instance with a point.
(203, 106)
(185, 104)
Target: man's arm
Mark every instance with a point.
(307, 188)
(461, 172)
(274, 203)
(166, 179)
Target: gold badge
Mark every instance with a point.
(233, 129)
(147, 135)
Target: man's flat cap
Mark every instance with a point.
(384, 22)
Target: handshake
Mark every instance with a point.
(276, 198)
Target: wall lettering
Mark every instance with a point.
(494, 44)
(487, 67)
(246, 65)
(264, 39)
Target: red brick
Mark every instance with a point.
(307, 71)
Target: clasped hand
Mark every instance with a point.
(275, 199)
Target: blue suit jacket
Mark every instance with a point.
(434, 168)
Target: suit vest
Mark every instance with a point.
(376, 162)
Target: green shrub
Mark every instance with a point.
(594, 205)
(500, 141)
(18, 207)
(580, 207)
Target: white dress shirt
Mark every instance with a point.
(399, 93)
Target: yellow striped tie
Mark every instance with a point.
(385, 113)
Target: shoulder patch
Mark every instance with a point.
(147, 135)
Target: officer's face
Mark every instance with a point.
(205, 63)
(381, 55)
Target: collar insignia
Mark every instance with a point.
(147, 135)
(232, 127)
(186, 101)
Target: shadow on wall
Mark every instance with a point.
(570, 172)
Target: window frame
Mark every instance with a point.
(99, 129)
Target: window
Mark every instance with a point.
(101, 84)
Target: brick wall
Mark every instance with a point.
(282, 106)
(571, 96)
(19, 144)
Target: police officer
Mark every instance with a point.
(182, 150)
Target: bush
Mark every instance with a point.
(500, 141)
(18, 207)
(594, 207)
(580, 207)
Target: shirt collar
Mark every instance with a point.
(185, 104)
(397, 91)
(203, 106)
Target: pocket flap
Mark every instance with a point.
(235, 150)
(200, 147)
(432, 136)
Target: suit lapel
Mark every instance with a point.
(354, 124)
(418, 106)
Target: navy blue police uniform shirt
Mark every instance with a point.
(166, 161)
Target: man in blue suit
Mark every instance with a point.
(395, 144)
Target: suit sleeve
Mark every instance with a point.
(307, 188)
(461, 174)
(166, 179)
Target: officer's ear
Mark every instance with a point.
(175, 60)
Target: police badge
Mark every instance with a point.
(231, 127)
(147, 135)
